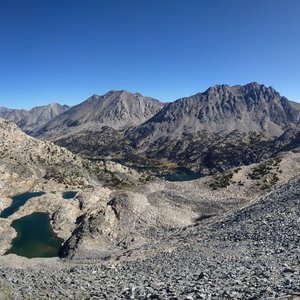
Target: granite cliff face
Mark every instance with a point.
(30, 120)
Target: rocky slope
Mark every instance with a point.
(126, 219)
(246, 254)
(105, 190)
(27, 164)
(102, 143)
(30, 120)
(116, 109)
(27, 157)
(116, 210)
(114, 202)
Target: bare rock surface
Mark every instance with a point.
(5, 290)
(223, 127)
(249, 108)
(247, 254)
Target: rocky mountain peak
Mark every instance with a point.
(218, 88)
(222, 108)
(122, 94)
(253, 88)
(255, 85)
(56, 105)
(116, 109)
(260, 89)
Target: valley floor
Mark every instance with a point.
(250, 254)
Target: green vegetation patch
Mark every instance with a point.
(267, 173)
(264, 169)
(221, 181)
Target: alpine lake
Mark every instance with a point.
(35, 236)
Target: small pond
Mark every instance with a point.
(69, 194)
(182, 174)
(35, 237)
(17, 202)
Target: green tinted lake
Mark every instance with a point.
(35, 237)
(17, 202)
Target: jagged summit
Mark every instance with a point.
(253, 87)
(123, 94)
(117, 93)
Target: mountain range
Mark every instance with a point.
(119, 110)
(223, 127)
(28, 120)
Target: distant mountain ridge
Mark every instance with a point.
(224, 126)
(119, 110)
(29, 120)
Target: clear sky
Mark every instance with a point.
(67, 50)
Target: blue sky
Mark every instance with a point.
(67, 50)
